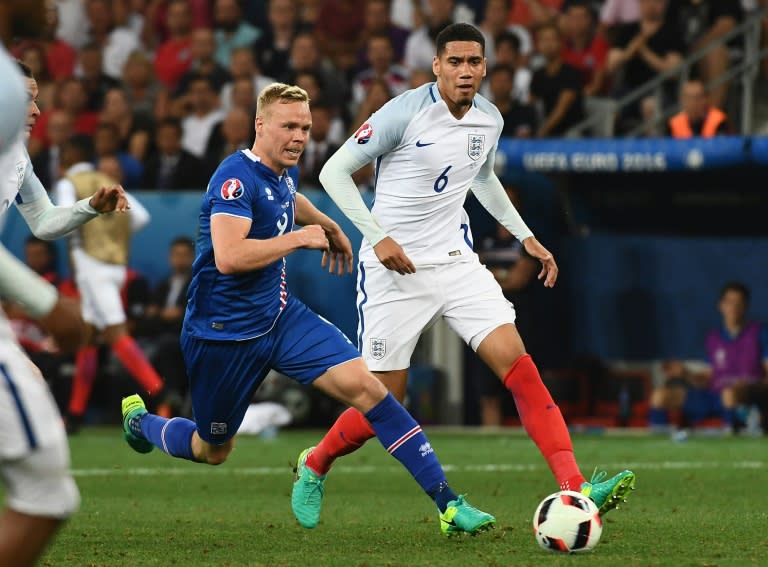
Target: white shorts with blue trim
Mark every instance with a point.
(393, 310)
(34, 453)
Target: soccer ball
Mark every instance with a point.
(567, 522)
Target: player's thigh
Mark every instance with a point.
(353, 384)
(393, 311)
(475, 305)
(34, 454)
(223, 376)
(99, 286)
(307, 345)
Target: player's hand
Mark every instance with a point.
(339, 256)
(393, 257)
(65, 324)
(313, 237)
(108, 199)
(548, 265)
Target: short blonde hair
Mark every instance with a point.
(279, 92)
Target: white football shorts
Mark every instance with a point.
(34, 454)
(99, 284)
(393, 310)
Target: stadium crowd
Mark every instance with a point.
(168, 87)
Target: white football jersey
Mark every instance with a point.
(18, 182)
(425, 162)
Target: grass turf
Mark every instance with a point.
(696, 503)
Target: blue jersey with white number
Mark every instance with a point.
(244, 305)
(426, 161)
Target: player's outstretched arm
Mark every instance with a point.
(235, 253)
(339, 256)
(49, 221)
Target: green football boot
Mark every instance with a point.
(133, 407)
(307, 493)
(461, 517)
(607, 494)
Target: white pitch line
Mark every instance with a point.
(486, 468)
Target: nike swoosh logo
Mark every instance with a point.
(420, 145)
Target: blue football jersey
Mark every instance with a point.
(244, 305)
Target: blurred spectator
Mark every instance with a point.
(173, 56)
(234, 133)
(337, 28)
(641, 52)
(46, 163)
(273, 47)
(737, 353)
(420, 77)
(420, 47)
(382, 66)
(534, 13)
(161, 324)
(139, 86)
(58, 56)
(309, 10)
(495, 25)
(110, 166)
(205, 114)
(106, 144)
(155, 22)
(519, 118)
(33, 56)
(378, 21)
(311, 82)
(116, 42)
(91, 74)
(243, 65)
(377, 96)
(508, 54)
(71, 98)
(583, 47)
(170, 166)
(697, 117)
(231, 30)
(134, 131)
(203, 48)
(241, 95)
(71, 15)
(319, 147)
(700, 23)
(557, 86)
(305, 56)
(615, 14)
(515, 270)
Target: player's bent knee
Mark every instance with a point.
(41, 484)
(217, 454)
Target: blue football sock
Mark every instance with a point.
(658, 416)
(172, 436)
(403, 439)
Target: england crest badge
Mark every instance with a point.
(475, 146)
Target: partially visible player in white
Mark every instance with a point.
(431, 145)
(34, 455)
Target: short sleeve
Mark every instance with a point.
(231, 192)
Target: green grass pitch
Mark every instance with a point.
(697, 503)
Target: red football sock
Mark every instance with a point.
(543, 421)
(86, 361)
(132, 357)
(347, 435)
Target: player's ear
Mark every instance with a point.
(485, 66)
(436, 65)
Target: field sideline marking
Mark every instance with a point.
(487, 468)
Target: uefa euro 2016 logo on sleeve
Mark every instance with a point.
(231, 189)
(475, 145)
(364, 133)
(378, 348)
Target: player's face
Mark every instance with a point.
(33, 111)
(282, 132)
(459, 70)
